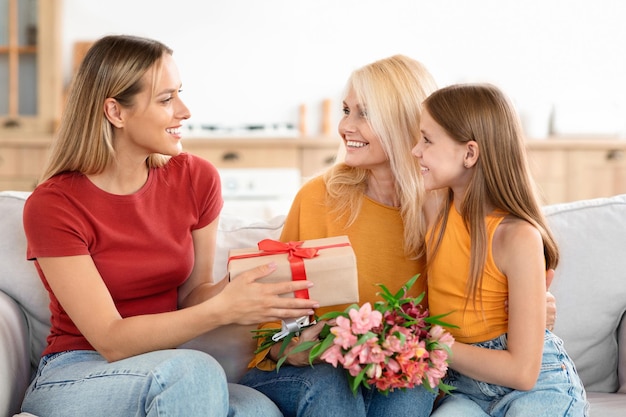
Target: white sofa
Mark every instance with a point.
(590, 287)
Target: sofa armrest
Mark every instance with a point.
(14, 356)
(621, 371)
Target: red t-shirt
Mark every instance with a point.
(140, 243)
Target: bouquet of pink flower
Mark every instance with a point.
(394, 344)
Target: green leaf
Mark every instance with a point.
(361, 378)
(334, 314)
(280, 361)
(299, 348)
(437, 320)
(318, 349)
(285, 343)
(357, 380)
(303, 346)
(386, 294)
(446, 388)
(419, 298)
(364, 338)
(325, 332)
(406, 287)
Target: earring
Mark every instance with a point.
(466, 165)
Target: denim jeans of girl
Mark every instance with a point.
(174, 382)
(323, 391)
(558, 392)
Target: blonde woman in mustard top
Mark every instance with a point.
(487, 214)
(373, 198)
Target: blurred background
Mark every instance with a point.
(257, 62)
(264, 80)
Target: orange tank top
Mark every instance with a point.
(447, 281)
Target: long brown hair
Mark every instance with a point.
(113, 67)
(392, 89)
(482, 113)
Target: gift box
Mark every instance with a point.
(329, 263)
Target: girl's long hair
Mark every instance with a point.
(482, 113)
(392, 90)
(113, 67)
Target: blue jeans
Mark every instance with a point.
(558, 392)
(175, 382)
(323, 390)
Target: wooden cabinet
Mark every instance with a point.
(597, 172)
(549, 169)
(317, 157)
(565, 170)
(576, 169)
(21, 162)
(245, 153)
(309, 155)
(22, 158)
(30, 66)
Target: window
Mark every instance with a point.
(30, 70)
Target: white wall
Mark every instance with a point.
(256, 61)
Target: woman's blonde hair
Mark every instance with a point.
(501, 177)
(113, 67)
(392, 90)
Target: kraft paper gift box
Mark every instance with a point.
(329, 263)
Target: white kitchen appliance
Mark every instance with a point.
(259, 193)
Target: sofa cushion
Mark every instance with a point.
(235, 232)
(606, 405)
(589, 271)
(14, 358)
(18, 277)
(233, 345)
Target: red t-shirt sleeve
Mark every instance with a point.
(207, 188)
(48, 221)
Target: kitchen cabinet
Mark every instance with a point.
(597, 172)
(309, 155)
(564, 169)
(21, 162)
(549, 170)
(22, 159)
(575, 169)
(30, 67)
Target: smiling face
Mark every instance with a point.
(152, 124)
(363, 146)
(442, 159)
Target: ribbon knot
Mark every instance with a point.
(295, 254)
(292, 249)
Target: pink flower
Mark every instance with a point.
(439, 368)
(333, 355)
(374, 371)
(343, 333)
(364, 319)
(373, 352)
(439, 334)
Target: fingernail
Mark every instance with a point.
(272, 265)
(309, 284)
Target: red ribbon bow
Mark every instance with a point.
(295, 254)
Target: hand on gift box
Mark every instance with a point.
(246, 301)
(329, 262)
